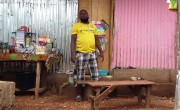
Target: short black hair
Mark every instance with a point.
(82, 10)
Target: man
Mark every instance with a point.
(84, 41)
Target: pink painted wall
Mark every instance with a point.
(144, 34)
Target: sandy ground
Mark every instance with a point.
(57, 102)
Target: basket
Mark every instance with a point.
(103, 72)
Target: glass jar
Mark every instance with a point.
(28, 40)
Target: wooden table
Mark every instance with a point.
(111, 85)
(37, 88)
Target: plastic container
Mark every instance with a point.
(25, 80)
(71, 79)
(103, 72)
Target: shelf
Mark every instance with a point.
(32, 90)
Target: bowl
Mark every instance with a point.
(103, 72)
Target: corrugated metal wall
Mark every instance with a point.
(52, 18)
(144, 35)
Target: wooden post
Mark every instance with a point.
(148, 92)
(111, 34)
(38, 71)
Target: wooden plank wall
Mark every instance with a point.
(98, 10)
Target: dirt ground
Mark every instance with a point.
(58, 102)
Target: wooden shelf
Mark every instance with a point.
(32, 90)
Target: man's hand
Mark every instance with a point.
(102, 56)
(73, 58)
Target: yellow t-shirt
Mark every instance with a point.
(85, 41)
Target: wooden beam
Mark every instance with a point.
(38, 71)
(111, 34)
(105, 93)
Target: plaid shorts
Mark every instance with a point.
(84, 59)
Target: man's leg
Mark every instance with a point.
(93, 66)
(81, 65)
(80, 69)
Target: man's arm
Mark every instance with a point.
(98, 45)
(73, 46)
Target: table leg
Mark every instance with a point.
(139, 95)
(148, 93)
(96, 102)
(38, 71)
(91, 99)
(92, 104)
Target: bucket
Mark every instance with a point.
(25, 80)
(103, 72)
